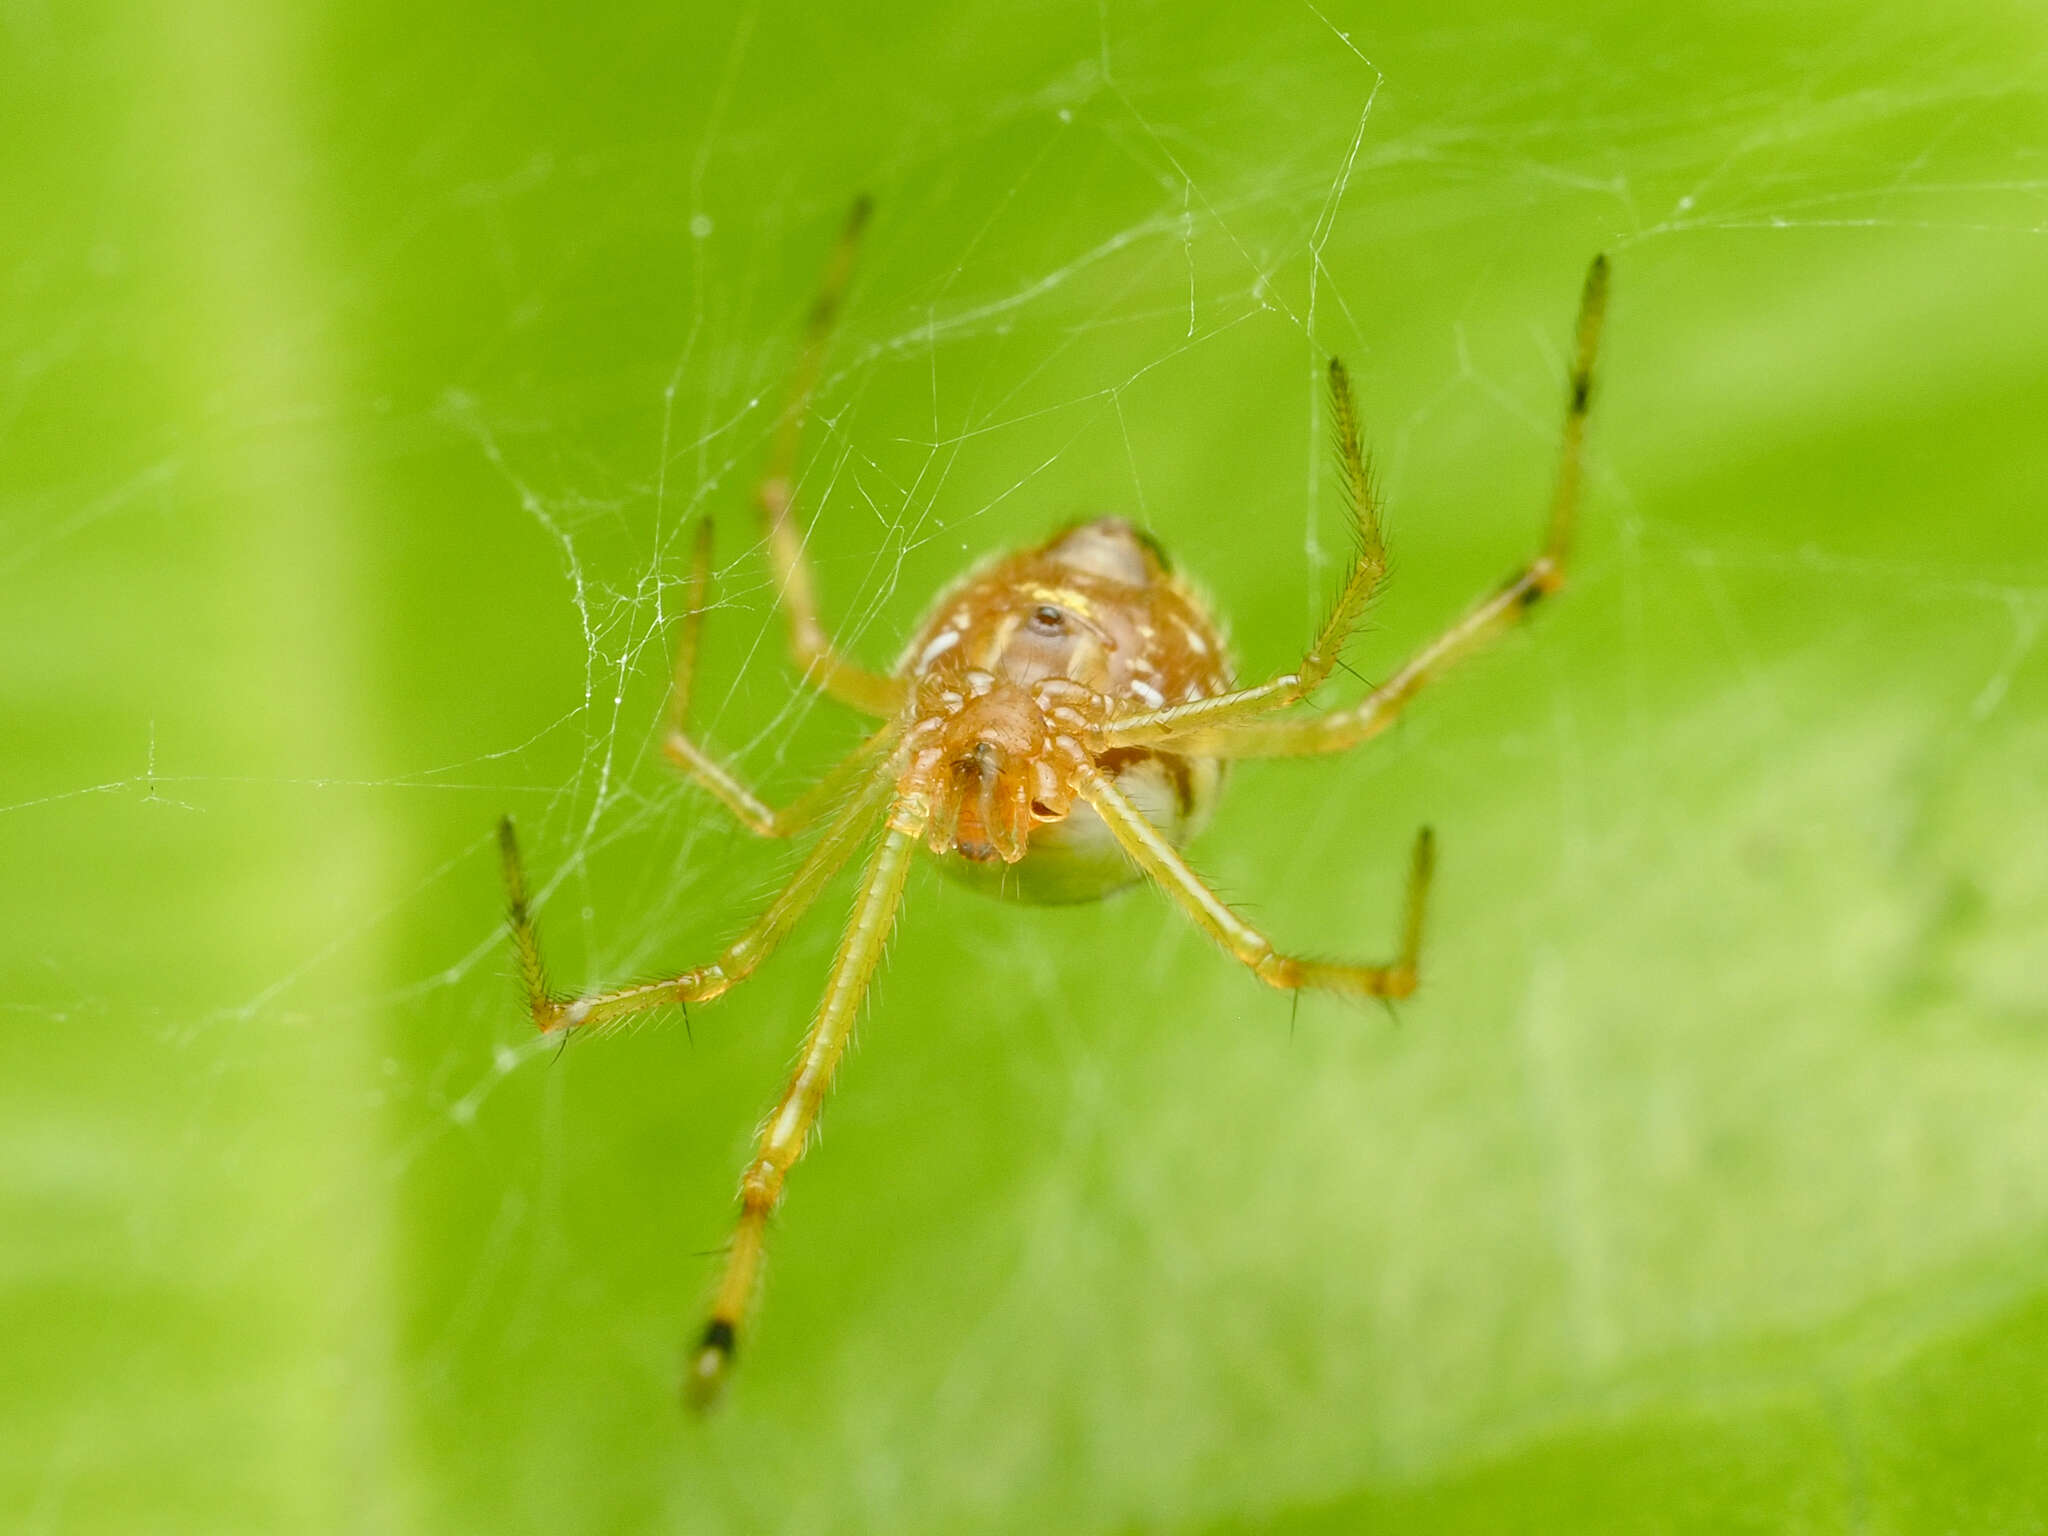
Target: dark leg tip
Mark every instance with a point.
(514, 876)
(710, 1366)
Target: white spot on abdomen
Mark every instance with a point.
(937, 647)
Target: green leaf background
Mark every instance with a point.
(365, 370)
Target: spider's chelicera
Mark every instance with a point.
(1057, 728)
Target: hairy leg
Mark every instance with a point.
(844, 680)
(1368, 569)
(755, 813)
(1163, 865)
(788, 1127)
(1342, 728)
(735, 963)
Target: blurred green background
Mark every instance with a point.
(363, 371)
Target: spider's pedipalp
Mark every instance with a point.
(987, 753)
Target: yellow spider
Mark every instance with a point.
(1057, 728)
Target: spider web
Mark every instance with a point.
(1729, 1073)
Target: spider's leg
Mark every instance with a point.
(735, 963)
(752, 811)
(876, 693)
(1339, 729)
(1368, 569)
(1226, 726)
(690, 636)
(788, 1126)
(1162, 864)
(758, 816)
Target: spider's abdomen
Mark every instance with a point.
(1098, 616)
(1098, 606)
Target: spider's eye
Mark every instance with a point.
(1048, 620)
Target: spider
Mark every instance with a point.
(1058, 728)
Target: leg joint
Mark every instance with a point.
(1544, 576)
(761, 1186)
(705, 982)
(1398, 980)
(1277, 970)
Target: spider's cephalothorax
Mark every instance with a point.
(1056, 729)
(1017, 667)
